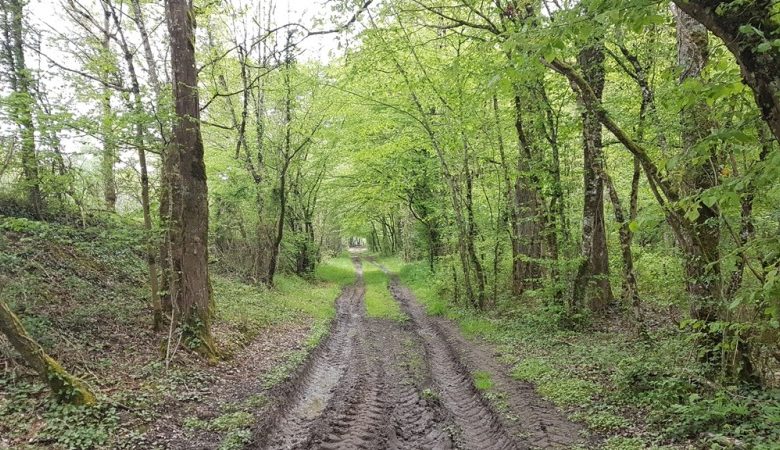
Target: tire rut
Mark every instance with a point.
(381, 384)
(309, 393)
(479, 425)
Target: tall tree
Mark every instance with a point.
(136, 105)
(591, 284)
(22, 100)
(188, 219)
(702, 262)
(109, 155)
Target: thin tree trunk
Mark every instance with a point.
(630, 292)
(510, 218)
(286, 159)
(747, 228)
(472, 233)
(557, 213)
(138, 109)
(109, 154)
(22, 108)
(151, 66)
(164, 198)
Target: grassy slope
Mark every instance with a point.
(639, 394)
(81, 293)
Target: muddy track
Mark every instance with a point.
(376, 384)
(526, 416)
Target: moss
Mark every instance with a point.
(66, 387)
(197, 336)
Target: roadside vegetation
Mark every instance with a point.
(637, 392)
(80, 294)
(379, 302)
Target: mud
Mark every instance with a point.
(376, 384)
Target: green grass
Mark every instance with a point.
(425, 286)
(483, 381)
(84, 283)
(379, 302)
(339, 270)
(245, 309)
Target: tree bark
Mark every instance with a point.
(188, 222)
(527, 250)
(64, 386)
(747, 29)
(591, 285)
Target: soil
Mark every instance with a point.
(377, 383)
(224, 387)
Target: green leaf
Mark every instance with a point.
(763, 47)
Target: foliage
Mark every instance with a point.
(463, 138)
(79, 427)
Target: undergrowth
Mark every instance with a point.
(81, 293)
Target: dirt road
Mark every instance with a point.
(376, 384)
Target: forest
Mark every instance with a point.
(401, 224)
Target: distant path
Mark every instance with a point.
(377, 383)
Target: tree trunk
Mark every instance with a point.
(758, 60)
(109, 155)
(556, 222)
(702, 256)
(591, 285)
(287, 156)
(22, 107)
(151, 66)
(164, 211)
(527, 250)
(479, 271)
(190, 289)
(64, 386)
(630, 292)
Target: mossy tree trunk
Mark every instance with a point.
(591, 285)
(20, 101)
(188, 220)
(64, 386)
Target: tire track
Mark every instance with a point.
(310, 392)
(480, 426)
(381, 384)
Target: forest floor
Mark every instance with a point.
(80, 292)
(370, 370)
